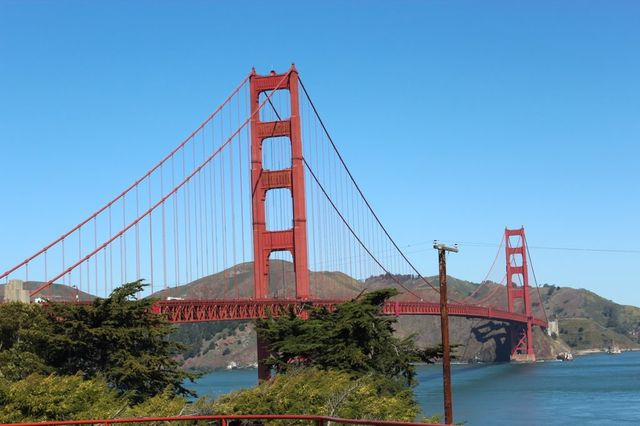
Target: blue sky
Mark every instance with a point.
(457, 118)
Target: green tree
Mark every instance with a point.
(352, 338)
(120, 338)
(165, 403)
(17, 364)
(40, 398)
(15, 317)
(322, 392)
(53, 397)
(24, 332)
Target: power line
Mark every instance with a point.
(585, 249)
(601, 250)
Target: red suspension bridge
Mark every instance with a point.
(257, 213)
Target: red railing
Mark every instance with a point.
(223, 420)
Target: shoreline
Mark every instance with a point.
(592, 351)
(583, 352)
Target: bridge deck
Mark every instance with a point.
(181, 311)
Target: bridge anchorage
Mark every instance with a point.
(201, 219)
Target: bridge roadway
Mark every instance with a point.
(182, 311)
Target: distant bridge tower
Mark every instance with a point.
(521, 335)
(293, 240)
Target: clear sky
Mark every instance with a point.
(457, 118)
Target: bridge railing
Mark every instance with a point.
(225, 420)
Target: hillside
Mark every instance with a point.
(586, 320)
(239, 281)
(55, 292)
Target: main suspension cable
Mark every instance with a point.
(335, 148)
(544, 311)
(342, 218)
(495, 259)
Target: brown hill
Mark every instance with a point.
(477, 339)
(238, 282)
(586, 320)
(324, 285)
(55, 292)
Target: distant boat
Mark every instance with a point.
(565, 356)
(614, 349)
(476, 360)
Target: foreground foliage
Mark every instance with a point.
(352, 338)
(53, 397)
(112, 359)
(323, 392)
(117, 339)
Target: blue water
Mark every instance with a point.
(592, 390)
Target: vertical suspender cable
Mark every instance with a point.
(123, 243)
(79, 257)
(110, 253)
(63, 263)
(242, 188)
(137, 235)
(214, 214)
(233, 211)
(224, 216)
(151, 271)
(205, 199)
(95, 246)
(176, 231)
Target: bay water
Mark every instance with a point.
(598, 389)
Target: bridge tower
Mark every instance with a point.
(293, 240)
(521, 335)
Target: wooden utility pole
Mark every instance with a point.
(444, 327)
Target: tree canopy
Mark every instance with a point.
(352, 338)
(344, 362)
(118, 338)
(54, 397)
(322, 392)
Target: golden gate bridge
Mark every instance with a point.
(257, 212)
